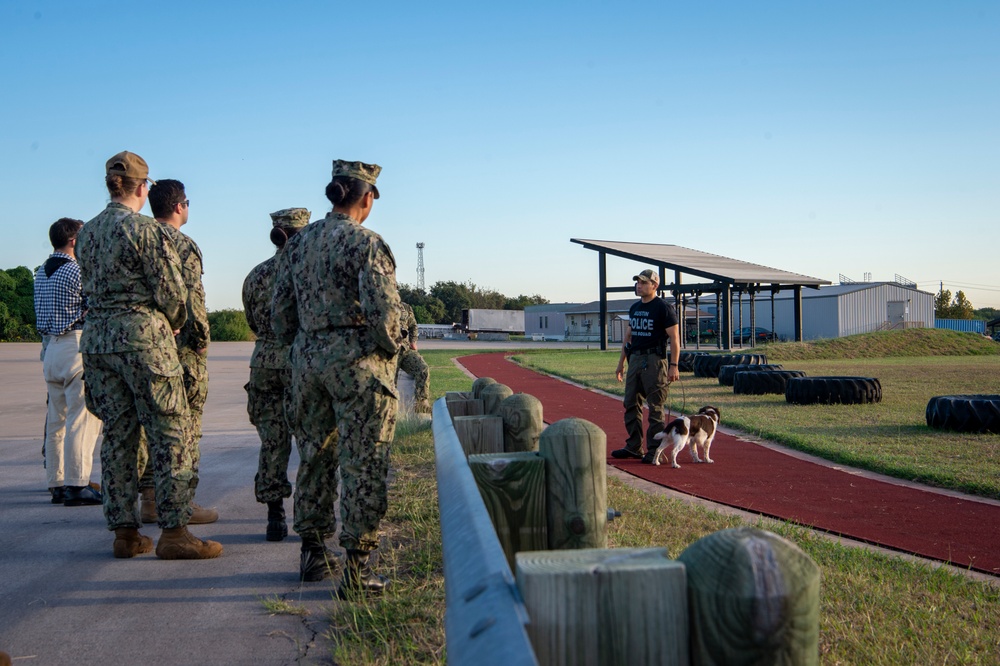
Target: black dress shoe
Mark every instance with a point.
(81, 496)
(58, 494)
(625, 453)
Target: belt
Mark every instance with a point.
(643, 352)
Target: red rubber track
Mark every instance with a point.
(963, 532)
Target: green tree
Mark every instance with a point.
(986, 314)
(7, 324)
(962, 307)
(229, 326)
(455, 297)
(17, 298)
(520, 302)
(22, 305)
(426, 308)
(942, 304)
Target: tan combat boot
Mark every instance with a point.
(176, 543)
(129, 543)
(199, 516)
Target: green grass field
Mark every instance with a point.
(876, 608)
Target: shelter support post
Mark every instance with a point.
(602, 271)
(797, 290)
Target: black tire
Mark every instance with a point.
(726, 372)
(965, 413)
(833, 390)
(686, 361)
(708, 366)
(764, 382)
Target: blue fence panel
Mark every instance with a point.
(963, 325)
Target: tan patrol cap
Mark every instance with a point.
(364, 172)
(129, 165)
(294, 218)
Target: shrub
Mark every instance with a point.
(230, 326)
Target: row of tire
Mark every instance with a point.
(751, 374)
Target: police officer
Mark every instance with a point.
(412, 363)
(135, 290)
(336, 302)
(652, 322)
(269, 388)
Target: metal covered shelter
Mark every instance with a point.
(727, 276)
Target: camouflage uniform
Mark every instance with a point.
(194, 335)
(269, 388)
(410, 361)
(335, 300)
(132, 276)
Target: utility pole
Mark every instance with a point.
(420, 266)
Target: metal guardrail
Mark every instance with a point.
(484, 616)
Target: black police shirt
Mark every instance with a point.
(649, 323)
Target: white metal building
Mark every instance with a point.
(547, 321)
(839, 310)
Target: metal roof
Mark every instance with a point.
(702, 264)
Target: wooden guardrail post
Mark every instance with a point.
(479, 384)
(513, 490)
(575, 453)
(754, 599)
(479, 434)
(492, 396)
(469, 407)
(484, 616)
(605, 607)
(522, 422)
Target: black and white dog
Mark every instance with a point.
(680, 432)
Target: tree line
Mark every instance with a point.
(17, 305)
(446, 300)
(442, 305)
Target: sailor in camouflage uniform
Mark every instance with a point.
(269, 388)
(412, 363)
(133, 280)
(336, 302)
(170, 206)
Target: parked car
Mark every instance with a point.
(758, 334)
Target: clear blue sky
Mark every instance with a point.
(819, 138)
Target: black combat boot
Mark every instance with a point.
(276, 527)
(359, 577)
(316, 561)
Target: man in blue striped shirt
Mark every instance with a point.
(70, 429)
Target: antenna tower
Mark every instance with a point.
(420, 266)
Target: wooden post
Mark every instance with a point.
(616, 606)
(479, 384)
(464, 407)
(492, 396)
(479, 434)
(513, 490)
(522, 422)
(457, 395)
(754, 599)
(575, 453)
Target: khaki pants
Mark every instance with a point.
(71, 431)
